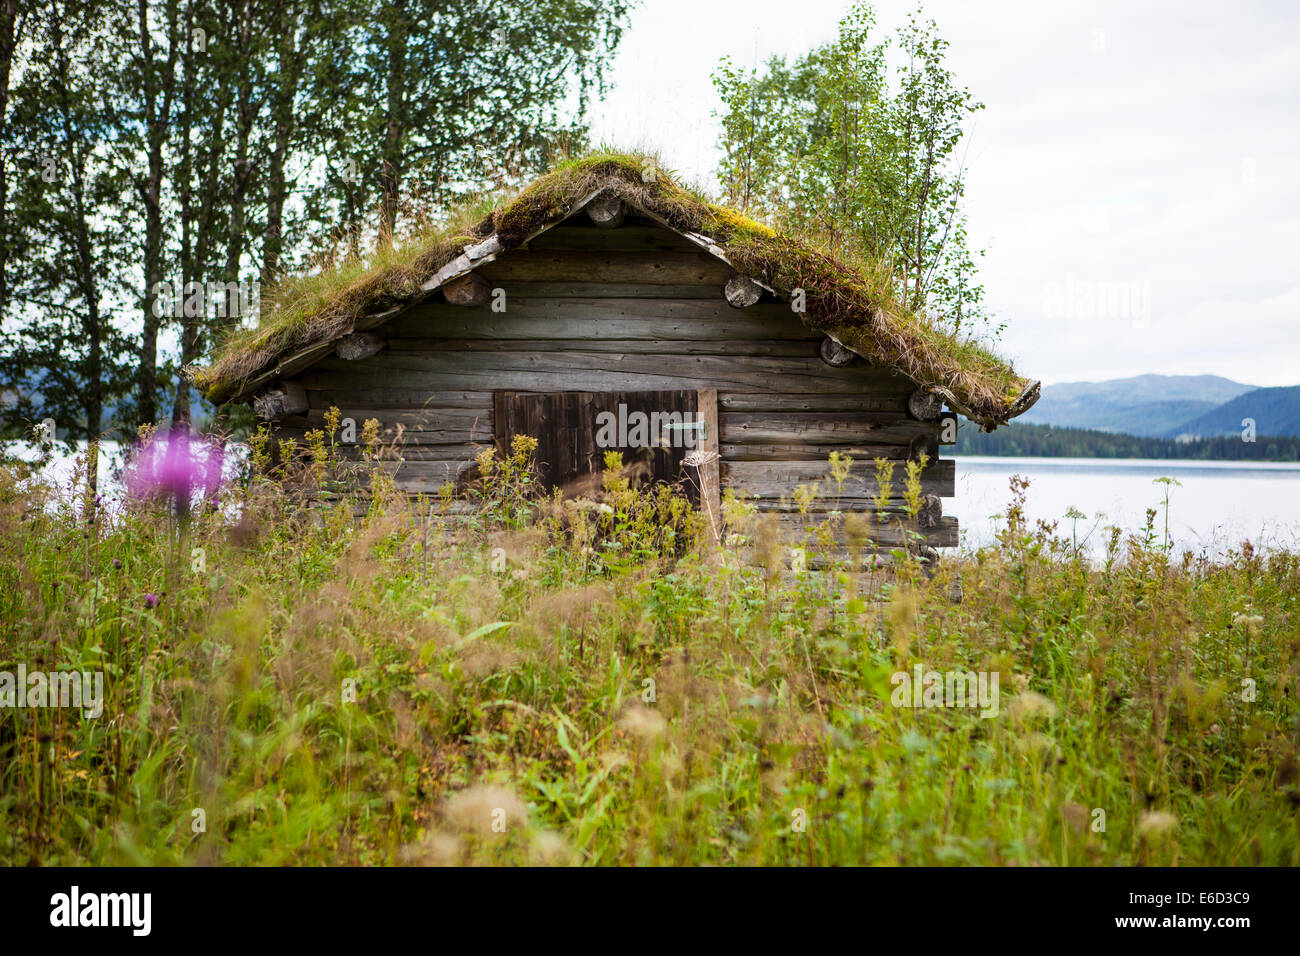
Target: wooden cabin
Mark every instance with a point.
(609, 301)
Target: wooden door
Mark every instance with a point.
(654, 431)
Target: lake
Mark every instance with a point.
(1219, 504)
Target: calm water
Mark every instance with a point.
(1219, 504)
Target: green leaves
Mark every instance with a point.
(483, 631)
(829, 146)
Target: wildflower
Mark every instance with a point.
(150, 600)
(643, 722)
(611, 760)
(1029, 704)
(1041, 745)
(1156, 823)
(549, 849)
(117, 564)
(436, 849)
(698, 459)
(480, 809)
(1251, 623)
(174, 467)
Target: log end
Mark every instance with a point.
(471, 289)
(835, 354)
(926, 444)
(931, 511)
(280, 400)
(606, 211)
(929, 557)
(359, 345)
(742, 292)
(925, 405)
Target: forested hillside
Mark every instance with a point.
(1025, 440)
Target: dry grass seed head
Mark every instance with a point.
(478, 809)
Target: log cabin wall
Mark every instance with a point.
(630, 308)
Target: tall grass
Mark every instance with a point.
(328, 678)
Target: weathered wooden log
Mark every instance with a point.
(930, 513)
(770, 479)
(742, 292)
(833, 353)
(709, 471)
(359, 345)
(470, 289)
(630, 237)
(924, 405)
(930, 557)
(636, 318)
(526, 371)
(888, 530)
(415, 421)
(847, 428)
(281, 399)
(606, 211)
(602, 343)
(1025, 400)
(803, 451)
(602, 272)
(399, 398)
(894, 509)
(926, 443)
(650, 288)
(892, 401)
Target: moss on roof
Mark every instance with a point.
(853, 302)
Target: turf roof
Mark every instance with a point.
(852, 302)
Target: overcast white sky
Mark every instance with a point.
(1133, 176)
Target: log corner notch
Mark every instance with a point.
(926, 444)
(280, 400)
(359, 345)
(931, 511)
(835, 354)
(925, 405)
(742, 292)
(606, 211)
(930, 556)
(471, 289)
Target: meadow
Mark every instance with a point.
(300, 671)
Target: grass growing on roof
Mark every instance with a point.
(853, 301)
(304, 310)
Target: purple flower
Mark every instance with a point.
(174, 466)
(117, 564)
(150, 600)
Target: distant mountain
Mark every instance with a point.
(1153, 419)
(1275, 411)
(1145, 405)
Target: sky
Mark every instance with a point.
(1133, 177)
